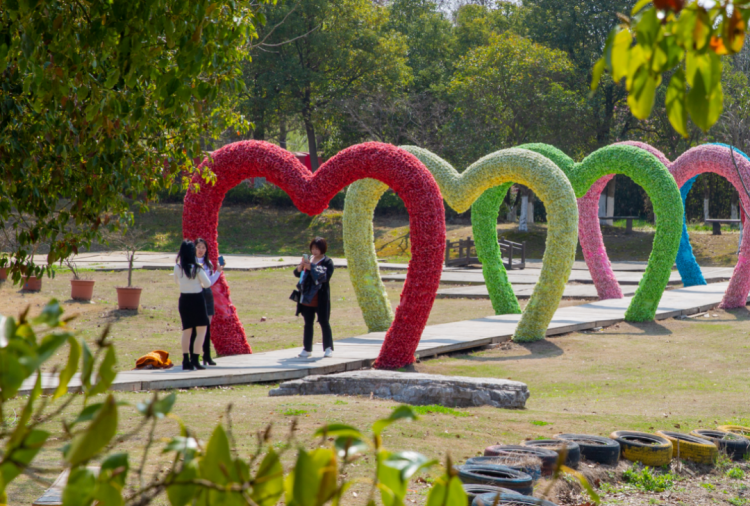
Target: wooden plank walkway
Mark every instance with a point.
(360, 352)
(524, 291)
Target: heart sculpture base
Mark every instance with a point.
(404, 173)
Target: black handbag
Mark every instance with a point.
(295, 296)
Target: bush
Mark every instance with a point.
(645, 479)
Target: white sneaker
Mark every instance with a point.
(328, 353)
(305, 354)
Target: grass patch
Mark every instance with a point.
(644, 478)
(540, 423)
(736, 473)
(436, 408)
(294, 412)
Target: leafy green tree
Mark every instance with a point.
(580, 28)
(102, 102)
(317, 52)
(475, 24)
(514, 91)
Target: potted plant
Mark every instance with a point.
(80, 289)
(32, 283)
(129, 297)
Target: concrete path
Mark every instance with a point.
(359, 352)
(530, 276)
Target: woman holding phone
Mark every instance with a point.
(315, 273)
(192, 305)
(202, 257)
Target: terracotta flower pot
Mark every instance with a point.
(128, 297)
(3, 274)
(32, 284)
(81, 289)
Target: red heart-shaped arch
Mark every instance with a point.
(311, 193)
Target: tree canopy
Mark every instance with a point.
(106, 102)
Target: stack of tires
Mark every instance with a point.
(506, 474)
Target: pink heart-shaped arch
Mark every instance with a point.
(706, 158)
(400, 170)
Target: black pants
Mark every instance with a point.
(309, 313)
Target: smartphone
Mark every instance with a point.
(221, 261)
(306, 256)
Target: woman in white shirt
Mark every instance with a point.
(203, 259)
(192, 280)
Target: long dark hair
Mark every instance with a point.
(186, 257)
(207, 256)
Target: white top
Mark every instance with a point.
(213, 276)
(188, 285)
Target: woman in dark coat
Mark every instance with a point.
(315, 295)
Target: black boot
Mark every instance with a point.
(207, 349)
(186, 364)
(195, 360)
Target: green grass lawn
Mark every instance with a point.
(259, 230)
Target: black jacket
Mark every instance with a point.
(324, 292)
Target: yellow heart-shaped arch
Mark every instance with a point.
(460, 191)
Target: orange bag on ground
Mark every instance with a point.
(158, 359)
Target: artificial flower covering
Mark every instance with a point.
(588, 179)
(716, 158)
(460, 191)
(311, 193)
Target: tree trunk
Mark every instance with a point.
(706, 196)
(530, 217)
(607, 203)
(282, 132)
(527, 210)
(312, 146)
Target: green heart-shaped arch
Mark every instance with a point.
(645, 170)
(460, 191)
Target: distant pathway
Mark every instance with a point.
(359, 352)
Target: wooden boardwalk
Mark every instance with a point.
(359, 352)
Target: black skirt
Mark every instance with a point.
(192, 308)
(208, 294)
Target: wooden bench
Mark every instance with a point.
(510, 250)
(718, 223)
(628, 221)
(464, 249)
(466, 253)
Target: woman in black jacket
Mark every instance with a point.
(315, 295)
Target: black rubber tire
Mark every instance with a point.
(509, 500)
(548, 457)
(648, 449)
(472, 490)
(574, 451)
(601, 450)
(734, 445)
(535, 471)
(497, 476)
